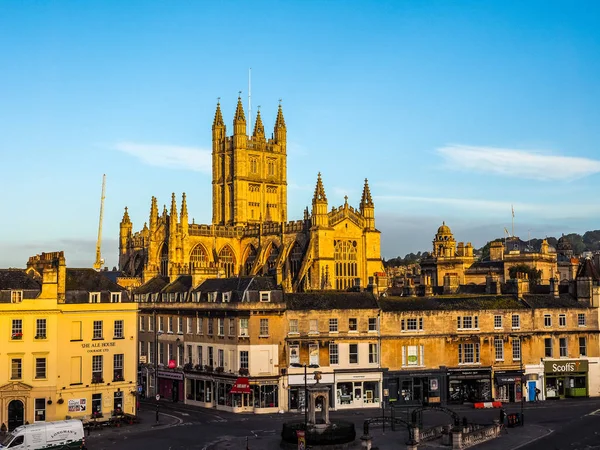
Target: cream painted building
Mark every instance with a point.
(70, 343)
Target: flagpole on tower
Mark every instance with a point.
(250, 99)
(513, 219)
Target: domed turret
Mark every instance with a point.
(444, 243)
(444, 229)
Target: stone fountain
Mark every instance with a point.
(320, 432)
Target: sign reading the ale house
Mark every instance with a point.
(566, 366)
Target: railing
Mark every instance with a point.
(481, 435)
(431, 433)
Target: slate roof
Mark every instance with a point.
(326, 300)
(450, 303)
(152, 286)
(80, 282)
(90, 280)
(237, 284)
(492, 266)
(112, 275)
(549, 301)
(13, 279)
(587, 269)
(183, 283)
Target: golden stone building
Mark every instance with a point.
(452, 264)
(68, 346)
(478, 347)
(250, 234)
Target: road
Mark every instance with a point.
(574, 424)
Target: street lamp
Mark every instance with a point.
(157, 333)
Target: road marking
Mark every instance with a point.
(533, 440)
(594, 413)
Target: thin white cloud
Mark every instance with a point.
(535, 165)
(169, 156)
(463, 203)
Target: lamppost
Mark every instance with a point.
(157, 333)
(522, 382)
(305, 399)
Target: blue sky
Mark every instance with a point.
(452, 110)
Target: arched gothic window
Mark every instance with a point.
(346, 267)
(227, 261)
(164, 260)
(198, 257)
(272, 259)
(295, 259)
(250, 260)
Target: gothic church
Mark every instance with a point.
(250, 235)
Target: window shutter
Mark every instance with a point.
(404, 355)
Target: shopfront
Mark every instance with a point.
(199, 391)
(469, 385)
(296, 399)
(170, 385)
(232, 393)
(358, 390)
(566, 378)
(265, 395)
(415, 387)
(508, 385)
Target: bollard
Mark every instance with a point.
(366, 441)
(446, 435)
(456, 438)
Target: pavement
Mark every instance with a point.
(569, 424)
(102, 437)
(514, 439)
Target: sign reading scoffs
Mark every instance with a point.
(566, 366)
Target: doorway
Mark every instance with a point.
(175, 391)
(16, 413)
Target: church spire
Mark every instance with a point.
(366, 199)
(279, 121)
(126, 219)
(239, 121)
(173, 215)
(153, 213)
(259, 129)
(218, 122)
(367, 208)
(280, 129)
(319, 190)
(184, 211)
(319, 205)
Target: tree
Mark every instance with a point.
(532, 274)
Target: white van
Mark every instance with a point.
(63, 434)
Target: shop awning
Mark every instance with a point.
(508, 377)
(241, 386)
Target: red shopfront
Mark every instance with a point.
(170, 385)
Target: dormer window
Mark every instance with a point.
(16, 296)
(265, 296)
(115, 297)
(212, 297)
(94, 297)
(226, 297)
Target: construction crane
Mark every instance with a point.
(99, 261)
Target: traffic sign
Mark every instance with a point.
(157, 397)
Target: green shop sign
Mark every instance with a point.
(566, 366)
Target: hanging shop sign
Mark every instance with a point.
(241, 386)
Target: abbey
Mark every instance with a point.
(250, 234)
